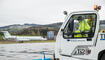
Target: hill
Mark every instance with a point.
(31, 29)
(16, 27)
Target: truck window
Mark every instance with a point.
(80, 26)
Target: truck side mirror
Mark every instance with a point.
(65, 13)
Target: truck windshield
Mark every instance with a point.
(80, 26)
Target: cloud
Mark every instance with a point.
(40, 11)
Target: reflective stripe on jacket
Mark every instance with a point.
(83, 27)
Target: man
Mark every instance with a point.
(90, 21)
(83, 28)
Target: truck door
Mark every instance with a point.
(78, 33)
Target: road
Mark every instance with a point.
(25, 51)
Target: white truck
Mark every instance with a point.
(91, 44)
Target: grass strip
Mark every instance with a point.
(36, 41)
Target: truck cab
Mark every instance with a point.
(80, 40)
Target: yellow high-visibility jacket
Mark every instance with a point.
(89, 22)
(83, 27)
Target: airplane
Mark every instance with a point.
(8, 36)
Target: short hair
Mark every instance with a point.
(79, 18)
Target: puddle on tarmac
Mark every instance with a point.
(25, 51)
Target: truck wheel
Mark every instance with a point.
(103, 57)
(54, 57)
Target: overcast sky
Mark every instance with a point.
(42, 11)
